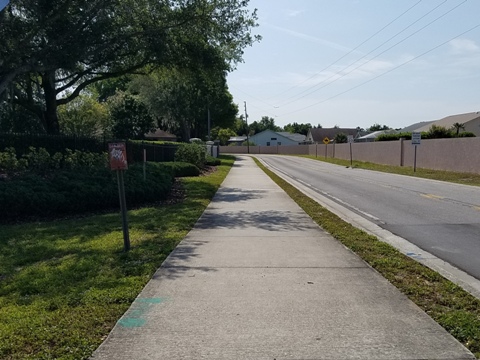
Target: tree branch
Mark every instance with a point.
(104, 76)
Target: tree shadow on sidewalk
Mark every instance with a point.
(270, 220)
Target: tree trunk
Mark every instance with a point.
(50, 118)
(186, 131)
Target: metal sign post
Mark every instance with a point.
(144, 164)
(350, 141)
(326, 140)
(416, 140)
(118, 161)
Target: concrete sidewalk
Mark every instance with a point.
(258, 279)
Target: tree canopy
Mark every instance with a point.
(52, 50)
(265, 123)
(378, 127)
(298, 128)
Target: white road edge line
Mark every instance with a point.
(457, 276)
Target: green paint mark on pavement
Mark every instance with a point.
(135, 316)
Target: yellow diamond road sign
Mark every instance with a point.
(326, 140)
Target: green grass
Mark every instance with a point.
(448, 304)
(456, 177)
(64, 284)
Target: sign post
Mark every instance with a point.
(350, 141)
(416, 139)
(117, 154)
(326, 140)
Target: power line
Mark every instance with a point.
(297, 97)
(376, 56)
(386, 72)
(267, 112)
(351, 51)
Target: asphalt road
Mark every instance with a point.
(439, 217)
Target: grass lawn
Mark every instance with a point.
(460, 178)
(64, 284)
(448, 304)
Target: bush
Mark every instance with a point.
(435, 132)
(341, 138)
(9, 162)
(467, 134)
(40, 161)
(53, 143)
(394, 137)
(72, 191)
(211, 161)
(438, 132)
(191, 153)
(182, 169)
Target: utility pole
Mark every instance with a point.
(246, 122)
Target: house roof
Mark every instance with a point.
(448, 121)
(416, 126)
(160, 134)
(293, 136)
(376, 134)
(318, 134)
(278, 134)
(237, 139)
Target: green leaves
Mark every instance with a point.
(79, 42)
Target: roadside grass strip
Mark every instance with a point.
(448, 304)
(450, 176)
(64, 284)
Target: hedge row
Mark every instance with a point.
(66, 192)
(182, 169)
(41, 161)
(432, 134)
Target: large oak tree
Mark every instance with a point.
(52, 50)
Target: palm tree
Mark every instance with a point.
(457, 126)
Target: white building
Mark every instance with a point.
(272, 138)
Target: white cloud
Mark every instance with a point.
(463, 46)
(308, 37)
(293, 13)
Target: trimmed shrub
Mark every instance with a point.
(211, 161)
(435, 132)
(466, 134)
(182, 169)
(53, 143)
(9, 162)
(74, 192)
(40, 161)
(191, 153)
(394, 137)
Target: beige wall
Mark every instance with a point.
(461, 155)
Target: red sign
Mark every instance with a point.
(117, 154)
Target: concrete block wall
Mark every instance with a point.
(460, 155)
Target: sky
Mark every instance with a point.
(3, 3)
(355, 63)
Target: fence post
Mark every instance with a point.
(402, 151)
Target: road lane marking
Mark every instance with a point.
(432, 196)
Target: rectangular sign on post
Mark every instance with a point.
(117, 154)
(416, 138)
